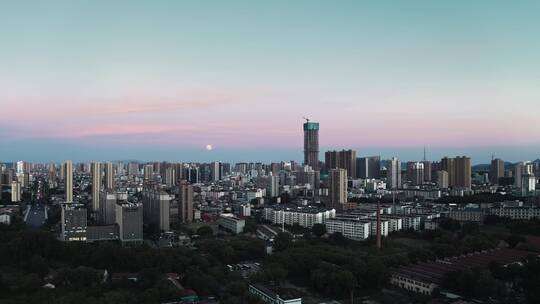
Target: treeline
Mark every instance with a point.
(31, 258)
(506, 283)
(476, 198)
(452, 239)
(326, 268)
(337, 267)
(523, 227)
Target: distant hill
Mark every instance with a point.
(127, 161)
(481, 167)
(485, 167)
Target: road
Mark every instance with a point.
(36, 216)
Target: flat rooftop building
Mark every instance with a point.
(275, 295)
(129, 218)
(73, 221)
(231, 223)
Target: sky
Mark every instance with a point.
(160, 80)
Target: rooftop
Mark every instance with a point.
(295, 208)
(432, 272)
(274, 291)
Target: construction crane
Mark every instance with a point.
(307, 119)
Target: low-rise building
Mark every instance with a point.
(384, 227)
(231, 223)
(5, 218)
(351, 228)
(432, 224)
(395, 223)
(305, 216)
(275, 295)
(101, 233)
(266, 233)
(425, 277)
(424, 194)
(516, 213)
(467, 215)
(411, 222)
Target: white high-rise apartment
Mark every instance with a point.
(393, 174)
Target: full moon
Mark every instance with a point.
(209, 147)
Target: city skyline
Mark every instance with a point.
(135, 80)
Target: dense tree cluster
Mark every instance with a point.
(329, 265)
(456, 239)
(29, 259)
(327, 269)
(498, 281)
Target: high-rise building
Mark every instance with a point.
(52, 175)
(274, 186)
(21, 167)
(393, 174)
(225, 169)
(448, 164)
(170, 176)
(62, 172)
(331, 160)
(185, 198)
(427, 171)
(107, 207)
(121, 168)
(24, 179)
(529, 184)
(68, 181)
(368, 167)
(344, 159)
(156, 206)
(215, 171)
(15, 192)
(275, 168)
(536, 168)
(307, 176)
(522, 169)
(240, 168)
(96, 185)
(8, 176)
(205, 173)
(109, 176)
(463, 172)
(311, 145)
(192, 174)
(459, 171)
(442, 179)
(415, 173)
(148, 172)
(129, 218)
(133, 169)
(337, 188)
(73, 220)
(496, 171)
(178, 172)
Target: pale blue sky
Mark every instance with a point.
(161, 79)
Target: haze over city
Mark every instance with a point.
(103, 80)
